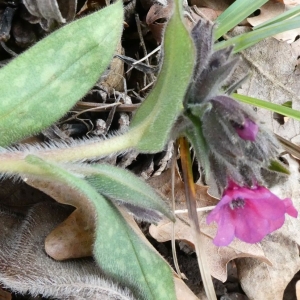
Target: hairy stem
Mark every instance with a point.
(13, 161)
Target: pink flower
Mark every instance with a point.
(247, 131)
(248, 214)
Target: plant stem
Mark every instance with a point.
(13, 162)
(190, 194)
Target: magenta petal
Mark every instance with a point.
(248, 214)
(248, 131)
(269, 208)
(226, 230)
(250, 227)
(216, 214)
(276, 223)
(289, 207)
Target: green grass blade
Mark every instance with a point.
(118, 250)
(236, 13)
(283, 110)
(292, 13)
(249, 39)
(42, 84)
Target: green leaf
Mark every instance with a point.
(283, 110)
(278, 167)
(287, 104)
(122, 185)
(123, 256)
(249, 39)
(118, 250)
(235, 13)
(156, 116)
(42, 84)
(291, 13)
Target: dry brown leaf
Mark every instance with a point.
(4, 295)
(291, 3)
(218, 256)
(271, 65)
(264, 282)
(52, 10)
(114, 79)
(162, 184)
(74, 237)
(156, 19)
(71, 239)
(214, 4)
(298, 290)
(269, 11)
(207, 13)
(182, 291)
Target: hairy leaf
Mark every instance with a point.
(117, 248)
(157, 114)
(25, 267)
(122, 185)
(42, 84)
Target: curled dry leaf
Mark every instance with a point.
(218, 257)
(157, 17)
(74, 237)
(113, 79)
(50, 10)
(269, 11)
(61, 11)
(25, 267)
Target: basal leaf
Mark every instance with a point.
(42, 84)
(122, 185)
(157, 114)
(135, 265)
(117, 249)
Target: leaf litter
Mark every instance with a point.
(269, 266)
